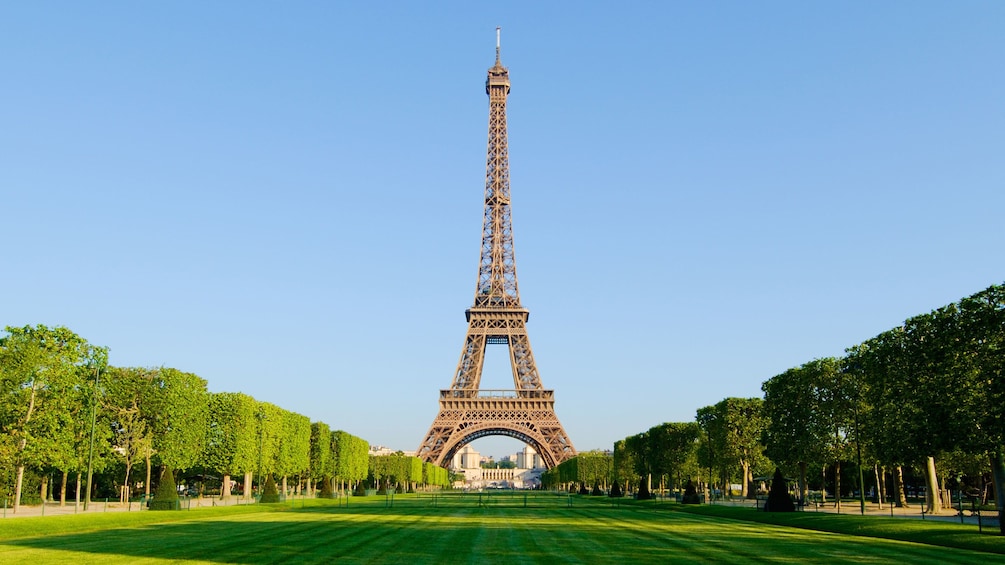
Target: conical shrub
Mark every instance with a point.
(269, 493)
(778, 497)
(616, 490)
(643, 493)
(166, 495)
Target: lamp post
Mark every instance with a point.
(861, 477)
(90, 454)
(261, 421)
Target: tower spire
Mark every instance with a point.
(498, 62)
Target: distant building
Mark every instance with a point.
(382, 450)
(527, 474)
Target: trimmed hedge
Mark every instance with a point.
(166, 495)
(270, 493)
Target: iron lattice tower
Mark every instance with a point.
(467, 412)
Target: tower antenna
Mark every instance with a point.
(497, 43)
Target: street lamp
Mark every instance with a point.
(90, 454)
(261, 419)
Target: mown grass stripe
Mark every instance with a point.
(414, 532)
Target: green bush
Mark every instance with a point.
(690, 494)
(166, 495)
(596, 490)
(778, 497)
(616, 490)
(643, 493)
(360, 489)
(269, 493)
(326, 488)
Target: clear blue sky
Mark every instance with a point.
(286, 198)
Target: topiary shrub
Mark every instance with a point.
(360, 489)
(778, 497)
(690, 494)
(583, 489)
(166, 495)
(616, 490)
(399, 490)
(270, 493)
(326, 488)
(643, 493)
(596, 490)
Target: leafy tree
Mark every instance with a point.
(321, 456)
(42, 371)
(735, 426)
(624, 464)
(175, 407)
(982, 322)
(351, 457)
(123, 400)
(795, 433)
(231, 444)
(269, 429)
(294, 446)
(673, 446)
(638, 446)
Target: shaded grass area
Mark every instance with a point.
(412, 531)
(934, 532)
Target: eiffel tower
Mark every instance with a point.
(467, 412)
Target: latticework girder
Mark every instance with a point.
(527, 412)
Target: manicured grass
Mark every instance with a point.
(457, 530)
(934, 532)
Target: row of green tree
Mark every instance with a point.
(593, 468)
(404, 473)
(63, 411)
(929, 390)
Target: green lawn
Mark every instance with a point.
(456, 530)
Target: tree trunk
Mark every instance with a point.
(146, 485)
(823, 488)
(898, 487)
(802, 482)
(44, 488)
(62, 489)
(744, 488)
(879, 485)
(247, 484)
(125, 483)
(225, 487)
(837, 485)
(998, 478)
(76, 500)
(17, 487)
(284, 485)
(932, 499)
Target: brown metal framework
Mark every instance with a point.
(526, 413)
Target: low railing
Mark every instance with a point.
(498, 393)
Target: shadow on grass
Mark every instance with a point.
(933, 532)
(415, 535)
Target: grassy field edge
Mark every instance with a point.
(929, 532)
